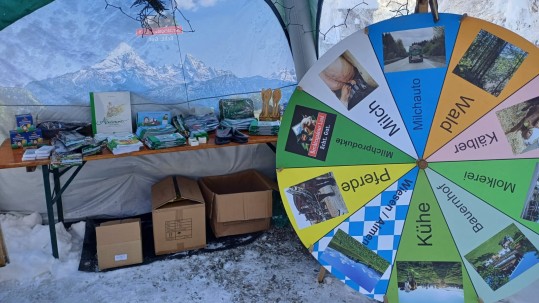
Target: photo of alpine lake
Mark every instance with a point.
(420, 281)
(353, 259)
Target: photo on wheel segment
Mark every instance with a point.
(348, 80)
(530, 211)
(520, 124)
(490, 62)
(420, 281)
(355, 260)
(310, 133)
(414, 49)
(504, 257)
(316, 200)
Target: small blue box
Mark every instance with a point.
(18, 140)
(25, 123)
(34, 138)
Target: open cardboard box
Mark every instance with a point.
(119, 243)
(178, 215)
(238, 203)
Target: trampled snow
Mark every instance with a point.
(274, 268)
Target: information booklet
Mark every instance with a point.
(111, 112)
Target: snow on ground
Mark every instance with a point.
(274, 268)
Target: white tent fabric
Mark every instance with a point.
(121, 187)
(311, 27)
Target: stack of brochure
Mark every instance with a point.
(29, 154)
(121, 143)
(238, 123)
(145, 131)
(71, 139)
(65, 160)
(207, 122)
(164, 141)
(264, 128)
(44, 152)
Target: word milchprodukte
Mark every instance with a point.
(365, 147)
(452, 197)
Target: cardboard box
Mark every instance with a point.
(4, 258)
(238, 203)
(119, 243)
(178, 215)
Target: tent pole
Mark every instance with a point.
(298, 20)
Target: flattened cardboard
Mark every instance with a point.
(238, 203)
(178, 215)
(4, 258)
(119, 243)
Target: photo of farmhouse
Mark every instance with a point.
(504, 257)
(316, 200)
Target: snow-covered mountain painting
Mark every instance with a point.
(51, 59)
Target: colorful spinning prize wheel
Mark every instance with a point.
(408, 160)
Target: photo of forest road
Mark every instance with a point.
(520, 124)
(419, 282)
(490, 62)
(316, 200)
(349, 257)
(504, 257)
(414, 49)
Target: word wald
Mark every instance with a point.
(455, 113)
(477, 142)
(491, 182)
(387, 211)
(451, 197)
(385, 120)
(375, 177)
(417, 118)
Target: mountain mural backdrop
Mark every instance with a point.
(124, 69)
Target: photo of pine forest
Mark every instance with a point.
(490, 62)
